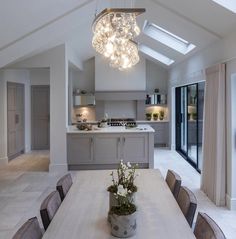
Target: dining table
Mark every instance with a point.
(83, 213)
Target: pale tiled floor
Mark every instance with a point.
(25, 182)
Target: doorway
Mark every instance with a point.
(189, 122)
(40, 117)
(15, 119)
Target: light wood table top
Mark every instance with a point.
(83, 213)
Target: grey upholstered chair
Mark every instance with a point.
(187, 203)
(29, 230)
(174, 182)
(206, 228)
(49, 208)
(63, 185)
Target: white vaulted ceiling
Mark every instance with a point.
(28, 27)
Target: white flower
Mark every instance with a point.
(128, 164)
(121, 191)
(124, 167)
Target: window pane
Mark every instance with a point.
(192, 122)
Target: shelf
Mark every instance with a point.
(162, 105)
(156, 99)
(79, 106)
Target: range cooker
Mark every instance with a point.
(122, 122)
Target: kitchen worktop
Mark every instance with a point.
(112, 129)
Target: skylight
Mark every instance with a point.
(156, 55)
(167, 38)
(229, 4)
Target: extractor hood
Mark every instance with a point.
(120, 95)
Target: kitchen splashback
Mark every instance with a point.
(121, 109)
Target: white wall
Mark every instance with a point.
(57, 59)
(3, 120)
(73, 57)
(156, 77)
(16, 76)
(85, 79)
(192, 70)
(40, 76)
(110, 79)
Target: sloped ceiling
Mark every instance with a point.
(29, 27)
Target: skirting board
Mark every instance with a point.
(3, 161)
(230, 202)
(58, 168)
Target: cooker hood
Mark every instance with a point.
(120, 95)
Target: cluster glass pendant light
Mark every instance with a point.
(114, 32)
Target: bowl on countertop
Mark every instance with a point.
(85, 127)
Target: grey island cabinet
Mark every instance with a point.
(104, 148)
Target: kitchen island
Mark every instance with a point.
(103, 148)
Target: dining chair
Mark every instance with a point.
(29, 230)
(173, 180)
(63, 185)
(206, 228)
(187, 203)
(49, 208)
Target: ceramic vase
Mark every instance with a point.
(123, 226)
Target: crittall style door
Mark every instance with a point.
(189, 122)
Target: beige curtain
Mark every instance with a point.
(214, 135)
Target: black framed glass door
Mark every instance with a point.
(189, 117)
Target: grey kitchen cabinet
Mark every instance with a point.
(107, 148)
(135, 148)
(114, 147)
(80, 149)
(95, 150)
(161, 136)
(15, 118)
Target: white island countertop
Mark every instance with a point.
(144, 128)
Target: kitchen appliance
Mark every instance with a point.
(129, 122)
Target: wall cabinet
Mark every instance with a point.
(85, 150)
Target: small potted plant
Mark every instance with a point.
(122, 208)
(148, 116)
(123, 215)
(155, 116)
(161, 114)
(126, 174)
